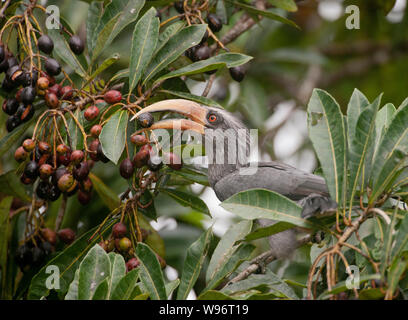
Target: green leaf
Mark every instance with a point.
(240, 253)
(328, 135)
(77, 139)
(101, 292)
(12, 137)
(107, 195)
(265, 204)
(358, 102)
(144, 42)
(185, 95)
(392, 151)
(63, 51)
(105, 65)
(269, 230)
(267, 14)
(67, 262)
(268, 279)
(150, 272)
(288, 5)
(183, 40)
(214, 295)
(398, 267)
(125, 286)
(117, 272)
(383, 120)
(171, 286)
(10, 185)
(117, 15)
(5, 206)
(226, 247)
(95, 12)
(93, 270)
(361, 147)
(154, 240)
(193, 263)
(72, 293)
(187, 200)
(228, 60)
(167, 34)
(113, 135)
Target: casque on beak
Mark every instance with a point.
(190, 109)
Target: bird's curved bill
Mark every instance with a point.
(190, 109)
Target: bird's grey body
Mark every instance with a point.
(222, 131)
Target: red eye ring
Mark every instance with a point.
(212, 118)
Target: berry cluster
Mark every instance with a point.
(202, 51)
(121, 244)
(35, 250)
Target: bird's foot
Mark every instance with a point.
(316, 204)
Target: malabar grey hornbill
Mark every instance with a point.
(228, 177)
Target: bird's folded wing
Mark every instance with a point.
(281, 178)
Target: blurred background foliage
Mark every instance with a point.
(288, 63)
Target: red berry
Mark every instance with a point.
(20, 155)
(93, 147)
(63, 149)
(46, 171)
(55, 89)
(77, 156)
(91, 113)
(96, 130)
(84, 198)
(43, 83)
(51, 100)
(138, 139)
(132, 264)
(66, 93)
(119, 230)
(112, 96)
(126, 168)
(66, 235)
(44, 147)
(29, 145)
(173, 161)
(66, 182)
(49, 235)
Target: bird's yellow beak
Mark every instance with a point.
(187, 108)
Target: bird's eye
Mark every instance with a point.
(212, 118)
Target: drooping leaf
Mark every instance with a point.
(113, 135)
(265, 204)
(180, 42)
(382, 122)
(193, 263)
(150, 272)
(145, 36)
(104, 65)
(328, 135)
(187, 200)
(228, 60)
(226, 247)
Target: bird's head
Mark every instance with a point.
(218, 126)
(200, 118)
